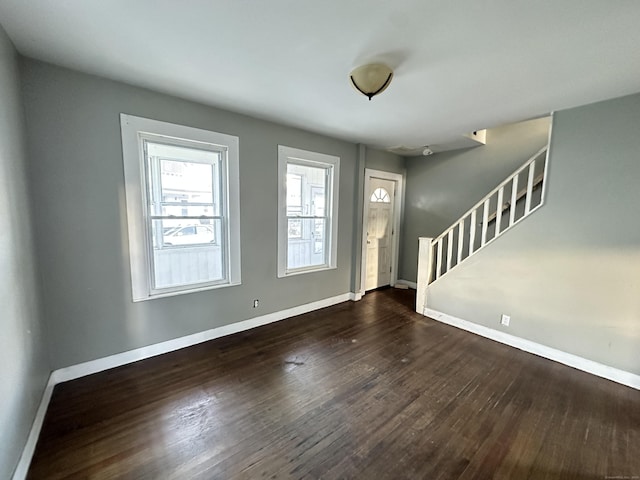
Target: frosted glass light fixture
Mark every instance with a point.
(371, 79)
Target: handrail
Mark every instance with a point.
(502, 184)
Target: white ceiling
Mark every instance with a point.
(459, 65)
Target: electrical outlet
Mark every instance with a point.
(256, 303)
(505, 320)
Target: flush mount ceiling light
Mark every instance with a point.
(371, 79)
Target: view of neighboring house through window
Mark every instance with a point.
(294, 204)
(307, 203)
(182, 207)
(184, 203)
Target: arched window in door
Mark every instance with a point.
(380, 195)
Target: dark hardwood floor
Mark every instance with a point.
(366, 390)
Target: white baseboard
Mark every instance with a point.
(357, 296)
(20, 473)
(413, 285)
(119, 359)
(610, 373)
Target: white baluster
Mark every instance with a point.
(460, 239)
(472, 232)
(527, 207)
(499, 210)
(439, 259)
(449, 249)
(514, 199)
(485, 222)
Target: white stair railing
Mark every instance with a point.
(505, 206)
(469, 236)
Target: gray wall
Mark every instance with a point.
(376, 160)
(76, 158)
(443, 186)
(569, 275)
(23, 360)
(385, 161)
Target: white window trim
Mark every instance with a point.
(133, 130)
(304, 157)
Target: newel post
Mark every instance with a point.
(425, 264)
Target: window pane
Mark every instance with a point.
(295, 228)
(318, 236)
(317, 201)
(380, 195)
(186, 182)
(306, 190)
(186, 254)
(294, 194)
(188, 235)
(183, 175)
(309, 248)
(188, 210)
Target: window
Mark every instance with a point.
(182, 201)
(307, 202)
(380, 195)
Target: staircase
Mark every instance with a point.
(517, 197)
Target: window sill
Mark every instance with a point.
(186, 291)
(300, 271)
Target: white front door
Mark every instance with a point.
(381, 198)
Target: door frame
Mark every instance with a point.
(398, 205)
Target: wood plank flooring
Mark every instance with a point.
(366, 390)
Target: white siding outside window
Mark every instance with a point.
(182, 203)
(307, 211)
